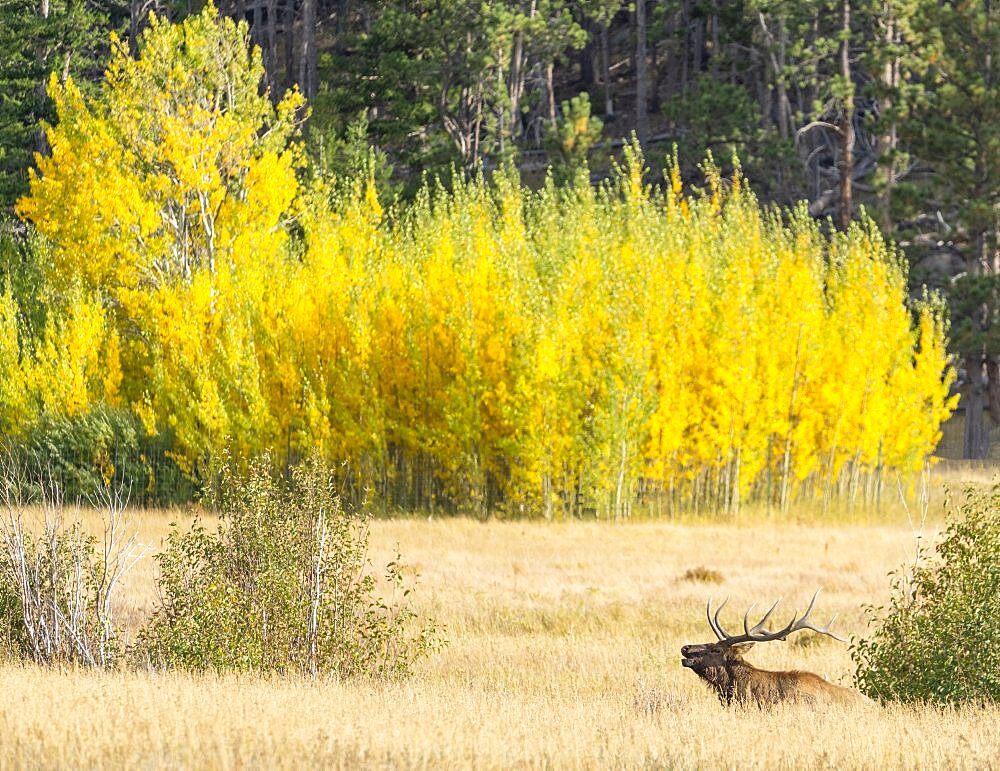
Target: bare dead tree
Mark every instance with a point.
(65, 586)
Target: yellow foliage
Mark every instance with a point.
(172, 168)
(568, 350)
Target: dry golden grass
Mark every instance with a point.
(564, 653)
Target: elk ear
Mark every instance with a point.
(742, 648)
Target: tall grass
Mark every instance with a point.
(564, 652)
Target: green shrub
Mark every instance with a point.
(101, 449)
(12, 637)
(283, 585)
(938, 639)
(723, 117)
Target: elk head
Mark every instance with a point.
(721, 663)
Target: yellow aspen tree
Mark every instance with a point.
(570, 351)
(157, 193)
(15, 394)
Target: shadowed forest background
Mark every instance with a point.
(366, 246)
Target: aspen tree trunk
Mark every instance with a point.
(547, 496)
(41, 56)
(609, 107)
(770, 440)
(620, 485)
(852, 494)
(879, 468)
(726, 502)
(730, 468)
(888, 140)
(847, 122)
(735, 507)
(641, 76)
(787, 460)
(307, 60)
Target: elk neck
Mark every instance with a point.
(738, 673)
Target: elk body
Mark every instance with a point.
(721, 665)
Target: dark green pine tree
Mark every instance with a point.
(38, 37)
(953, 126)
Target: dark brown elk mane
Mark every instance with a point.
(735, 681)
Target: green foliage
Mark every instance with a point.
(570, 142)
(449, 80)
(714, 114)
(283, 585)
(105, 447)
(938, 639)
(383, 59)
(21, 275)
(953, 120)
(348, 156)
(726, 119)
(973, 301)
(70, 39)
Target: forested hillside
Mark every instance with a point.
(895, 95)
(345, 224)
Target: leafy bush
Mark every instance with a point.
(12, 636)
(938, 639)
(283, 585)
(349, 157)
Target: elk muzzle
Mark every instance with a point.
(690, 653)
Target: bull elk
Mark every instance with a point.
(721, 665)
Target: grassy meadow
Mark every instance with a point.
(563, 653)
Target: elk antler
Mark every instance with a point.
(758, 632)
